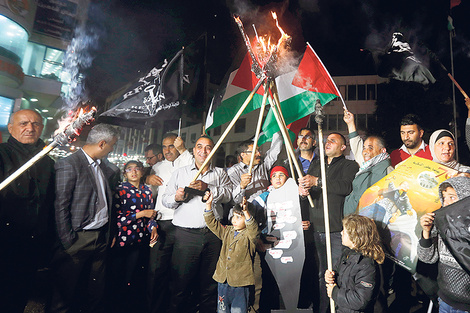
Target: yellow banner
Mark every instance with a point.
(397, 202)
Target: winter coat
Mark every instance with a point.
(339, 176)
(235, 264)
(357, 283)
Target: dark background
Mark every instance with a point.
(140, 34)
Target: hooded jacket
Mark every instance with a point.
(453, 281)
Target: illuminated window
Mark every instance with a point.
(13, 39)
(6, 105)
(42, 61)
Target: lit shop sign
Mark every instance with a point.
(12, 69)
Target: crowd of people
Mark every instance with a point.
(183, 235)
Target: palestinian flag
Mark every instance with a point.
(298, 92)
(240, 84)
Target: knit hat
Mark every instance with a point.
(461, 185)
(279, 169)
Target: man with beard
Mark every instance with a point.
(196, 249)
(411, 134)
(26, 210)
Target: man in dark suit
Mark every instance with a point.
(82, 212)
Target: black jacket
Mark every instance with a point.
(339, 176)
(358, 280)
(27, 204)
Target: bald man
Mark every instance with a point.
(26, 208)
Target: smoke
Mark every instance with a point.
(80, 54)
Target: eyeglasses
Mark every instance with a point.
(133, 169)
(249, 151)
(307, 137)
(149, 158)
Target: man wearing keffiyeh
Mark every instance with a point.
(373, 159)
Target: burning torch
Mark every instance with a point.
(67, 135)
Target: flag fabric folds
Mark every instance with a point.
(400, 63)
(159, 90)
(297, 90)
(226, 104)
(453, 224)
(159, 95)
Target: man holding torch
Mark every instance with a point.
(196, 249)
(26, 208)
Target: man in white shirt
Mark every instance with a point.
(158, 291)
(196, 249)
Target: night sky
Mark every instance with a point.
(140, 34)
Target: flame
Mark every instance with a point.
(264, 46)
(70, 117)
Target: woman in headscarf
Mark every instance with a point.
(442, 146)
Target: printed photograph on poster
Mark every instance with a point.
(397, 202)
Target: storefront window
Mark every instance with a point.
(42, 61)
(13, 39)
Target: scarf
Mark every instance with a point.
(372, 162)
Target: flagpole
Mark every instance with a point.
(230, 126)
(258, 126)
(319, 119)
(276, 108)
(289, 157)
(454, 105)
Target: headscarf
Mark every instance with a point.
(438, 134)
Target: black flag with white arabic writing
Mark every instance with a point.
(159, 96)
(156, 92)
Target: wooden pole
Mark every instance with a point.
(276, 96)
(287, 141)
(27, 165)
(230, 126)
(325, 207)
(258, 126)
(458, 86)
(291, 165)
